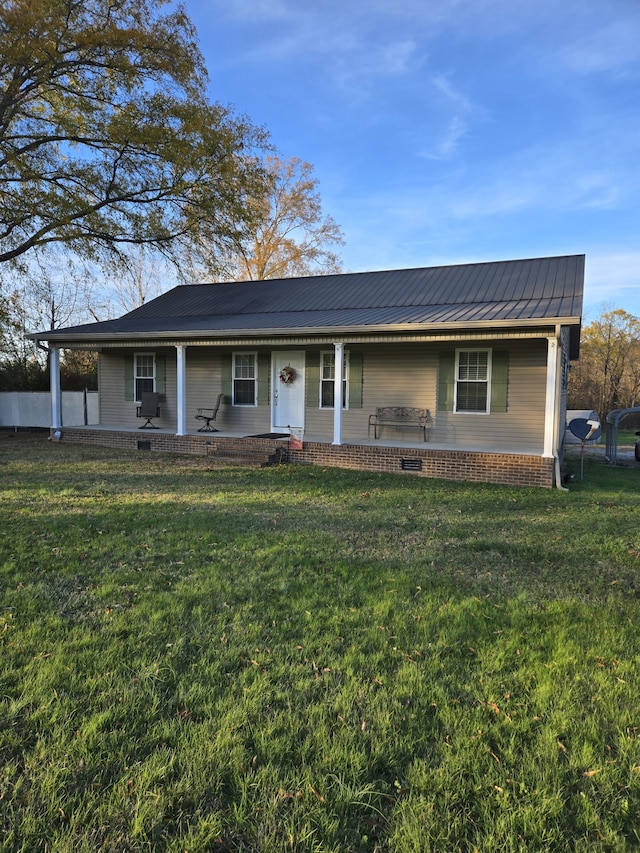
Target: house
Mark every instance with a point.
(484, 347)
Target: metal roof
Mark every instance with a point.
(539, 290)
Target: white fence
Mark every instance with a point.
(33, 408)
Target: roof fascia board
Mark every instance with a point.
(324, 340)
(209, 336)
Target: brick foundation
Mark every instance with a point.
(465, 466)
(500, 468)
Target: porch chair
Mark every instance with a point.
(149, 408)
(209, 415)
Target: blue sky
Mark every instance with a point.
(451, 131)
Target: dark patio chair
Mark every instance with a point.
(149, 408)
(209, 415)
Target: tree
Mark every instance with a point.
(607, 376)
(288, 234)
(49, 293)
(141, 281)
(143, 276)
(106, 134)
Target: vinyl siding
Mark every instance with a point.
(114, 409)
(392, 375)
(409, 377)
(204, 383)
(521, 427)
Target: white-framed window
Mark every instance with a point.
(144, 373)
(327, 379)
(245, 379)
(473, 380)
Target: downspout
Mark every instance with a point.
(557, 425)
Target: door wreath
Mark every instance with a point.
(287, 375)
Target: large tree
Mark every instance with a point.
(107, 137)
(288, 233)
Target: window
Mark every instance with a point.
(473, 377)
(244, 379)
(144, 365)
(327, 380)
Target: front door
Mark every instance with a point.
(287, 390)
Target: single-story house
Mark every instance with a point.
(482, 350)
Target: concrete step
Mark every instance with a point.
(247, 454)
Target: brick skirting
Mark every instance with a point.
(465, 466)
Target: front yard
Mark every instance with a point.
(300, 659)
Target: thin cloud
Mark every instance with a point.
(611, 49)
(613, 277)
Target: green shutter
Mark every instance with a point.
(263, 378)
(499, 380)
(128, 377)
(446, 381)
(225, 377)
(355, 380)
(312, 395)
(161, 376)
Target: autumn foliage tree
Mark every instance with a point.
(287, 233)
(607, 376)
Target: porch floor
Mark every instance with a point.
(406, 443)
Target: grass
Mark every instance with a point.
(300, 659)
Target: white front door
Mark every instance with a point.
(287, 390)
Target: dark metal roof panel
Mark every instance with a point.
(537, 289)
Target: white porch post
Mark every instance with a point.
(337, 392)
(181, 386)
(54, 384)
(551, 398)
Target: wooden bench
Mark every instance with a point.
(399, 417)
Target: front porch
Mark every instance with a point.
(400, 457)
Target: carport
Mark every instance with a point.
(613, 421)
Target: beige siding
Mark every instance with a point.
(393, 375)
(521, 428)
(204, 383)
(203, 387)
(407, 376)
(114, 409)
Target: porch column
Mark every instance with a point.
(337, 392)
(550, 398)
(54, 384)
(181, 388)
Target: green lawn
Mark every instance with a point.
(303, 659)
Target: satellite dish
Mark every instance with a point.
(585, 430)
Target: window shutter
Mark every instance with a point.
(355, 380)
(499, 380)
(161, 376)
(128, 377)
(312, 396)
(263, 378)
(446, 381)
(225, 377)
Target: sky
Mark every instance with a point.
(451, 131)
